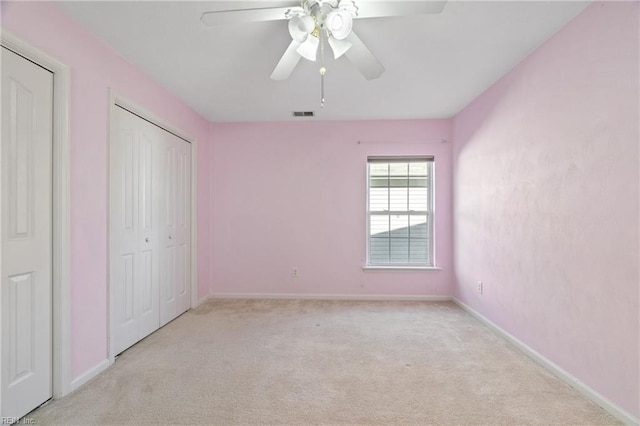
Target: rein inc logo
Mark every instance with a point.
(17, 421)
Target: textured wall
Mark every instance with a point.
(546, 201)
(94, 69)
(294, 194)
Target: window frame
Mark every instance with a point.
(431, 260)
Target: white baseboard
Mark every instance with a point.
(202, 300)
(89, 374)
(363, 297)
(563, 375)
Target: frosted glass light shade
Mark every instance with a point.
(309, 48)
(339, 23)
(339, 47)
(300, 27)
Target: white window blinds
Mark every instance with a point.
(400, 212)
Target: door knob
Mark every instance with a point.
(170, 237)
(146, 239)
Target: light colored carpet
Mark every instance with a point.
(324, 362)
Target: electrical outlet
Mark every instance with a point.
(479, 287)
(294, 272)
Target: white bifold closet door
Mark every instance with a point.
(150, 228)
(26, 292)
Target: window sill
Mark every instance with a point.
(401, 268)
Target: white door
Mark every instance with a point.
(175, 294)
(26, 293)
(150, 228)
(134, 229)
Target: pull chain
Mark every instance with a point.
(322, 73)
(322, 70)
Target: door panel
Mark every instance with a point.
(26, 293)
(128, 289)
(146, 292)
(20, 176)
(124, 230)
(168, 307)
(184, 270)
(126, 155)
(21, 293)
(150, 138)
(146, 181)
(176, 294)
(183, 231)
(169, 278)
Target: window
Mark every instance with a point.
(400, 212)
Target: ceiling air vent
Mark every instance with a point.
(303, 113)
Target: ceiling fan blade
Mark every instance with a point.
(287, 63)
(363, 59)
(381, 8)
(239, 16)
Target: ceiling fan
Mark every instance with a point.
(312, 23)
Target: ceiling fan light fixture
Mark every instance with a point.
(300, 27)
(309, 48)
(339, 23)
(349, 6)
(339, 47)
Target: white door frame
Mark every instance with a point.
(115, 100)
(61, 209)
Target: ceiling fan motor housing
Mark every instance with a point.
(334, 16)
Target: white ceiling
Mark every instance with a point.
(435, 64)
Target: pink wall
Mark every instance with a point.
(94, 69)
(294, 195)
(546, 201)
(546, 195)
